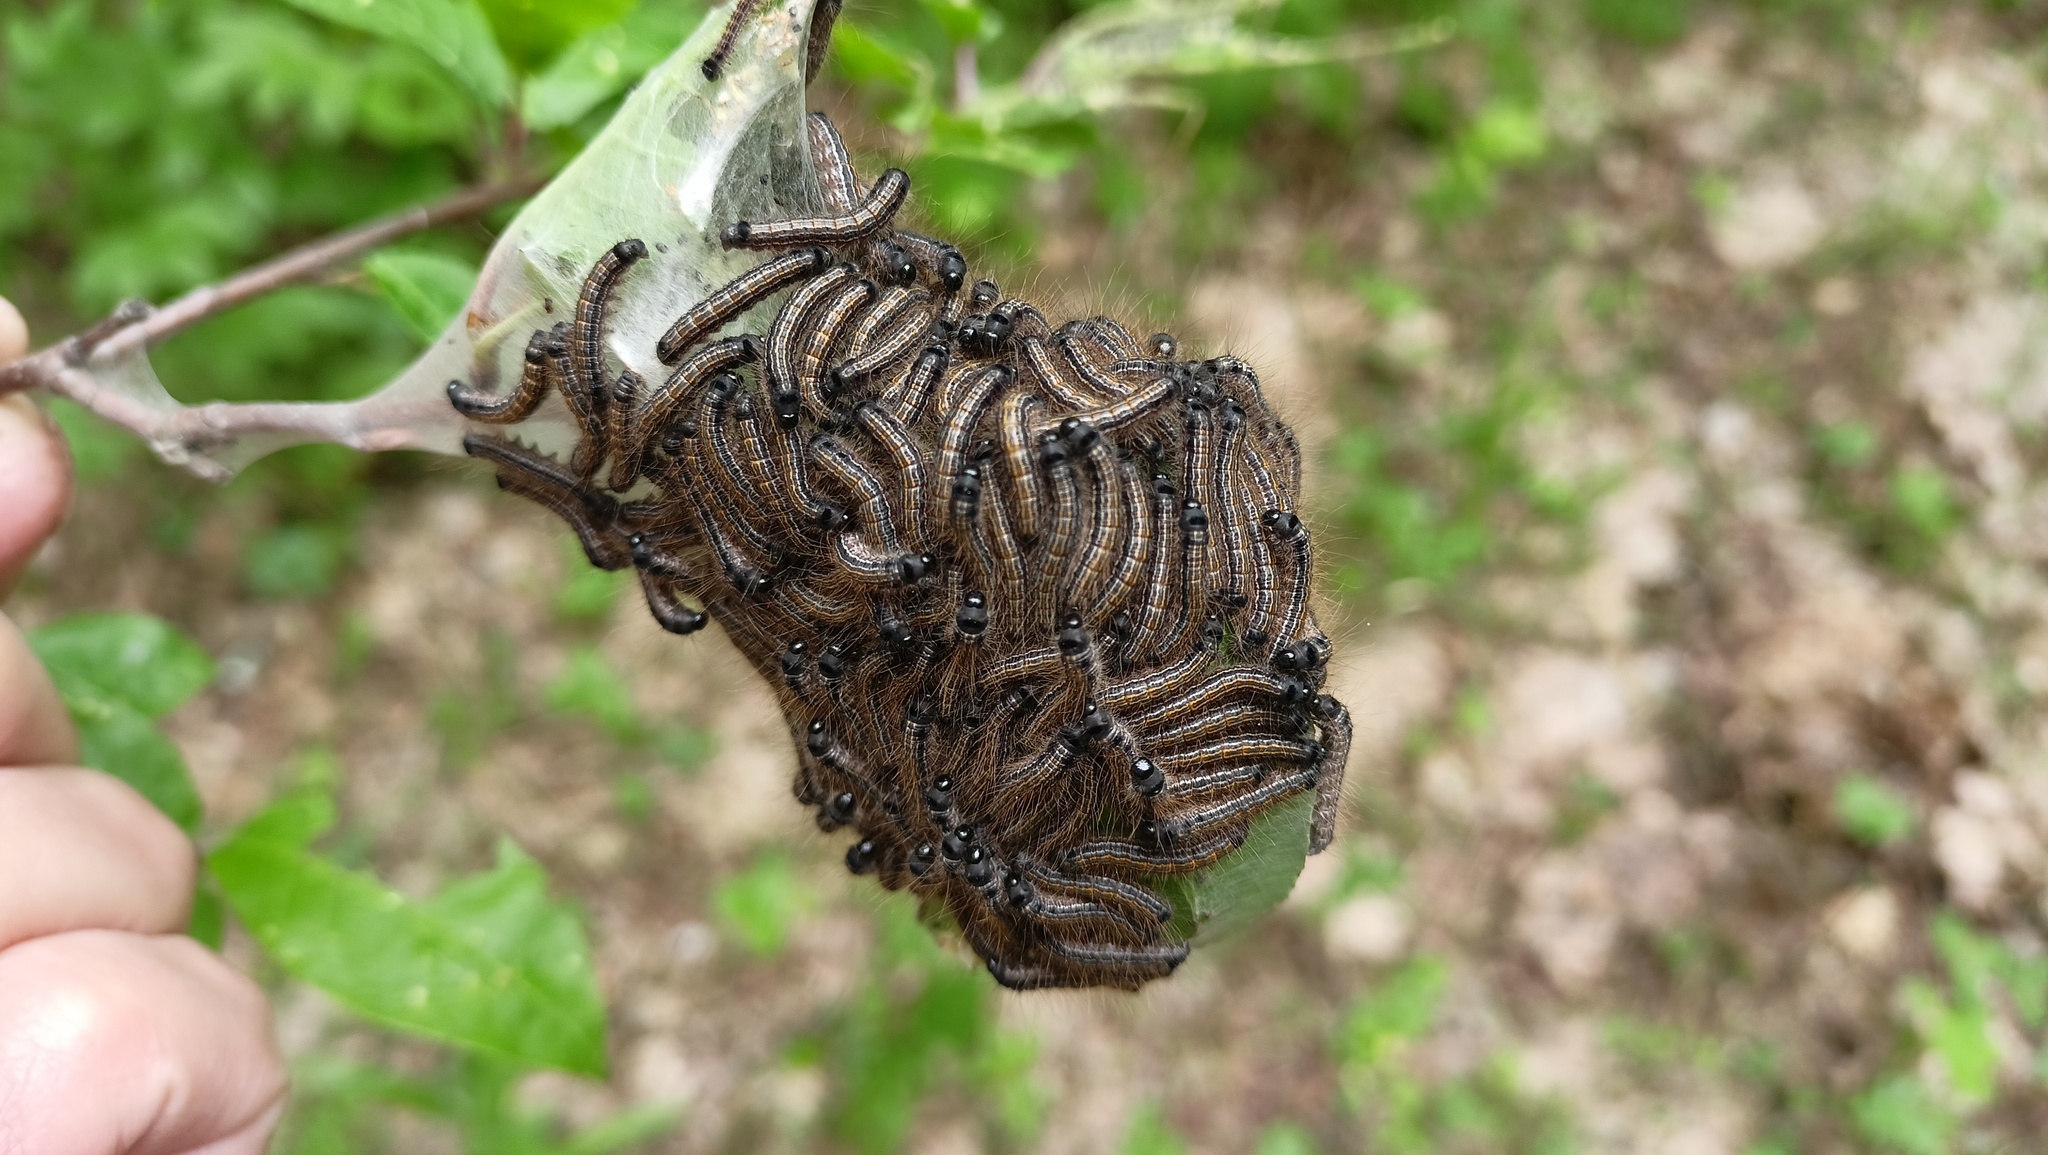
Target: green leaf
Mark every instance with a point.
(1649, 23)
(532, 31)
(1921, 496)
(1402, 1008)
(600, 64)
(590, 688)
(1223, 899)
(1508, 134)
(1898, 1115)
(1149, 1135)
(427, 289)
(294, 820)
(589, 594)
(967, 140)
(141, 661)
(865, 56)
(1386, 297)
(208, 923)
(964, 21)
(491, 963)
(762, 904)
(118, 739)
(117, 674)
(1286, 1139)
(629, 1128)
(1847, 444)
(1960, 1036)
(453, 33)
(293, 561)
(684, 747)
(99, 451)
(1871, 812)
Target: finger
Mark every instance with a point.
(35, 485)
(133, 1044)
(13, 332)
(80, 850)
(35, 729)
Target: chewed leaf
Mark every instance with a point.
(1223, 899)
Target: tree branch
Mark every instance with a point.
(136, 326)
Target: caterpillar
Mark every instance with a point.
(1034, 600)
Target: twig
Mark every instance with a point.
(134, 325)
(185, 434)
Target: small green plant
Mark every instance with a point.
(1505, 135)
(1384, 1020)
(1431, 504)
(1920, 498)
(1481, 1111)
(1871, 812)
(1586, 801)
(761, 905)
(919, 1021)
(1898, 1115)
(1986, 980)
(1902, 515)
(294, 561)
(1148, 1134)
(469, 715)
(1650, 23)
(491, 965)
(1846, 445)
(589, 594)
(587, 687)
(1286, 1139)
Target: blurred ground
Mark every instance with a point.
(1688, 506)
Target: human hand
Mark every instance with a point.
(118, 1035)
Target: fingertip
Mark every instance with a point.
(148, 1045)
(35, 728)
(35, 485)
(13, 332)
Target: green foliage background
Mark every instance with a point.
(148, 148)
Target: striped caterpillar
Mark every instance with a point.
(1034, 598)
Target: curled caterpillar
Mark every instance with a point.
(1033, 597)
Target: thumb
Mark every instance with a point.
(35, 469)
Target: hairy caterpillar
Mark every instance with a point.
(1034, 599)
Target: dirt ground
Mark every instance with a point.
(1771, 303)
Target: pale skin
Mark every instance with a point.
(118, 1035)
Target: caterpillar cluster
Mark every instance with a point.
(1034, 599)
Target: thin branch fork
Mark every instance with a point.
(64, 368)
